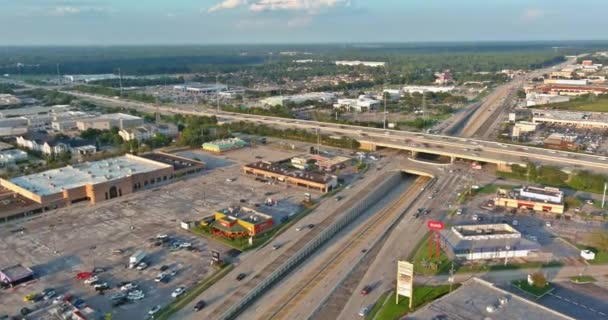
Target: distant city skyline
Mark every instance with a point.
(108, 22)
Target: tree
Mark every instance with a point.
(539, 280)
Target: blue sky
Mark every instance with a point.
(107, 22)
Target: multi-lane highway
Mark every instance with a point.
(457, 147)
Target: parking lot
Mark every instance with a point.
(62, 243)
(591, 140)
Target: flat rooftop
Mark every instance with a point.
(245, 214)
(16, 272)
(17, 112)
(276, 168)
(11, 202)
(479, 299)
(571, 115)
(543, 191)
(56, 180)
(178, 163)
(486, 230)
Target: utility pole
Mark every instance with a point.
(384, 122)
(451, 277)
(604, 196)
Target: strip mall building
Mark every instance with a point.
(545, 199)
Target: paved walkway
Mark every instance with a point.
(504, 276)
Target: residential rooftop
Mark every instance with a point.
(56, 180)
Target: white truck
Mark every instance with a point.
(136, 258)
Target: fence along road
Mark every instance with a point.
(309, 243)
(371, 229)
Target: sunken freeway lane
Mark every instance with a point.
(459, 147)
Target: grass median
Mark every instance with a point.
(422, 295)
(191, 294)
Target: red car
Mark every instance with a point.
(366, 290)
(84, 275)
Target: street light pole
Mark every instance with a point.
(604, 196)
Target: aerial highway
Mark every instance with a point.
(372, 138)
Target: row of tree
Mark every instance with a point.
(553, 176)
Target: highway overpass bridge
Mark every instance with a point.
(501, 154)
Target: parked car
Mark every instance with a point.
(142, 266)
(79, 303)
(83, 275)
(178, 292)
(91, 280)
(154, 310)
(128, 286)
(241, 276)
(48, 293)
(200, 305)
(164, 267)
(161, 277)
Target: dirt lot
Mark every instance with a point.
(61, 243)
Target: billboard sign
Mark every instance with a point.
(435, 225)
(405, 280)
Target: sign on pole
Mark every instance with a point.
(215, 256)
(405, 281)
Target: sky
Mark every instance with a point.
(137, 22)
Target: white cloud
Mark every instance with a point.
(227, 4)
(312, 6)
(74, 10)
(531, 14)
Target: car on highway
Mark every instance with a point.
(366, 290)
(276, 246)
(200, 305)
(241, 276)
(364, 311)
(310, 226)
(300, 228)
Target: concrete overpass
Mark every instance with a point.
(502, 154)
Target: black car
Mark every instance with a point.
(241, 276)
(416, 215)
(164, 267)
(310, 226)
(119, 302)
(200, 305)
(427, 211)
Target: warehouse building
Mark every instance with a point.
(324, 97)
(16, 274)
(223, 145)
(579, 119)
(281, 172)
(544, 199)
(352, 63)
(109, 121)
(361, 104)
(99, 180)
(484, 242)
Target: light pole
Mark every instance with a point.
(604, 196)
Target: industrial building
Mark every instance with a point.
(223, 145)
(109, 121)
(479, 299)
(16, 274)
(544, 199)
(422, 89)
(484, 242)
(201, 88)
(86, 78)
(570, 90)
(582, 119)
(360, 63)
(99, 180)
(281, 172)
(536, 99)
(324, 97)
(523, 127)
(236, 222)
(361, 104)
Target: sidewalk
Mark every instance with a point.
(505, 276)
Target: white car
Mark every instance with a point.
(299, 228)
(136, 296)
(91, 280)
(178, 292)
(128, 287)
(459, 211)
(186, 245)
(154, 310)
(474, 217)
(548, 224)
(142, 266)
(160, 277)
